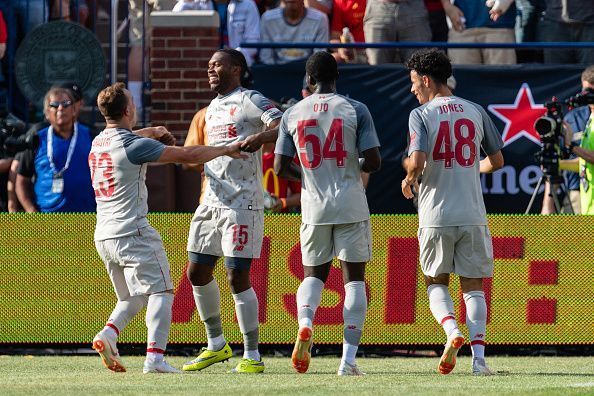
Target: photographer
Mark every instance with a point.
(55, 177)
(576, 121)
(584, 164)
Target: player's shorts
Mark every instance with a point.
(226, 232)
(137, 265)
(136, 17)
(463, 250)
(349, 242)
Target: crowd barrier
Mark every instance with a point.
(55, 290)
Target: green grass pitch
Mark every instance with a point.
(84, 375)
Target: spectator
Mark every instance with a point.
(55, 177)
(348, 14)
(437, 20)
(529, 12)
(243, 25)
(193, 5)
(583, 150)
(3, 38)
(568, 21)
(476, 22)
(136, 54)
(394, 20)
(286, 194)
(325, 6)
(292, 23)
(577, 120)
(21, 16)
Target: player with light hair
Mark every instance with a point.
(131, 249)
(229, 221)
(446, 136)
(330, 132)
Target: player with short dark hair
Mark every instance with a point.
(330, 132)
(446, 135)
(229, 221)
(131, 249)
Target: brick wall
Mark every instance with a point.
(181, 46)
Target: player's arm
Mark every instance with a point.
(286, 168)
(199, 154)
(491, 144)
(372, 160)
(158, 133)
(414, 169)
(253, 142)
(492, 162)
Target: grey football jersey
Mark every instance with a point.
(118, 170)
(236, 183)
(451, 131)
(328, 131)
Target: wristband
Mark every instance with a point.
(284, 202)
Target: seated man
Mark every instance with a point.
(55, 177)
(292, 23)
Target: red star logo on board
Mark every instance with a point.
(519, 117)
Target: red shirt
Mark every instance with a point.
(274, 184)
(349, 13)
(3, 35)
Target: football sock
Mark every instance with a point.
(123, 313)
(246, 308)
(476, 321)
(354, 310)
(442, 307)
(208, 302)
(158, 321)
(309, 295)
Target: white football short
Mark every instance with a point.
(137, 264)
(349, 242)
(463, 250)
(226, 232)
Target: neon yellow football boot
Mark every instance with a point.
(207, 358)
(249, 366)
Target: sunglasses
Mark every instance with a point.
(65, 104)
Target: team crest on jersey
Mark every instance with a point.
(232, 111)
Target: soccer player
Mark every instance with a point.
(131, 249)
(229, 221)
(446, 134)
(330, 132)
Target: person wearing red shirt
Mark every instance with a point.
(287, 192)
(350, 14)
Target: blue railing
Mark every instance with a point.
(425, 44)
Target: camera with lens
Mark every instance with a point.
(13, 138)
(550, 130)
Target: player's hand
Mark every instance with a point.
(407, 189)
(456, 17)
(278, 204)
(251, 144)
(164, 136)
(234, 151)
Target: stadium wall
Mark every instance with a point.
(55, 290)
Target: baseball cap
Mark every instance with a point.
(74, 90)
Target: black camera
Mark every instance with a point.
(584, 98)
(550, 130)
(13, 138)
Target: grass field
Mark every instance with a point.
(84, 375)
